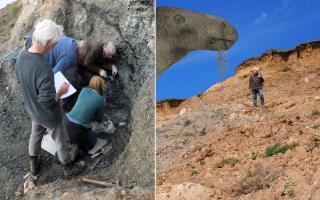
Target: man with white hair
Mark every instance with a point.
(41, 100)
(65, 56)
(256, 85)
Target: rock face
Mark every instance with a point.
(141, 147)
(180, 31)
(130, 24)
(63, 190)
(168, 107)
(219, 142)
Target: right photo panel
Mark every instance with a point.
(237, 100)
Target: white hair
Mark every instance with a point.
(109, 47)
(83, 47)
(46, 31)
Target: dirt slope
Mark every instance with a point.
(213, 146)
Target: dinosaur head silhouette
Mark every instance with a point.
(180, 31)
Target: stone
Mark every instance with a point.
(180, 31)
(28, 186)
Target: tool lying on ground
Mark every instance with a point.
(105, 184)
(100, 183)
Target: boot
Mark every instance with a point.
(73, 169)
(34, 165)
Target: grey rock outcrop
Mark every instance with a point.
(180, 31)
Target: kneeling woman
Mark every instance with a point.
(88, 108)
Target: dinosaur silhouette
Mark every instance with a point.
(180, 31)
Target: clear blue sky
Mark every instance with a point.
(261, 25)
(3, 3)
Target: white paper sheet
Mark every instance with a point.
(59, 79)
(48, 144)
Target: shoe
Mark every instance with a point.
(73, 169)
(34, 165)
(74, 154)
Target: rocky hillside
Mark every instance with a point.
(129, 99)
(217, 146)
(8, 17)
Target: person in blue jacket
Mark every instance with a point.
(65, 55)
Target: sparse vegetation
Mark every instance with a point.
(315, 126)
(288, 188)
(187, 123)
(256, 178)
(315, 113)
(311, 145)
(285, 69)
(254, 155)
(277, 148)
(194, 173)
(228, 161)
(8, 17)
(193, 170)
(15, 8)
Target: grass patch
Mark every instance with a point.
(315, 113)
(315, 126)
(288, 189)
(15, 8)
(311, 145)
(277, 148)
(228, 161)
(8, 17)
(194, 173)
(254, 155)
(285, 69)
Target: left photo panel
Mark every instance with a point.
(77, 99)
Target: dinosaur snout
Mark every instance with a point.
(221, 36)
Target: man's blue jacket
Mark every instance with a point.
(62, 56)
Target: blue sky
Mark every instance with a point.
(261, 25)
(3, 3)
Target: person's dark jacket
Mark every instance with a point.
(62, 56)
(36, 80)
(256, 81)
(95, 58)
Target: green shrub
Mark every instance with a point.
(315, 113)
(15, 8)
(315, 126)
(277, 148)
(8, 17)
(285, 69)
(230, 161)
(194, 173)
(288, 189)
